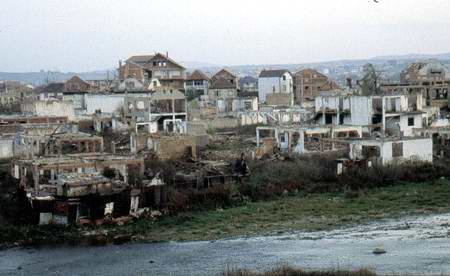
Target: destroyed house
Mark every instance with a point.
(162, 111)
(388, 150)
(238, 104)
(166, 147)
(301, 139)
(393, 114)
(39, 174)
(425, 72)
(72, 188)
(441, 139)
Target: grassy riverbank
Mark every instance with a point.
(290, 213)
(298, 213)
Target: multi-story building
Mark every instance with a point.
(395, 114)
(197, 84)
(154, 70)
(425, 73)
(224, 84)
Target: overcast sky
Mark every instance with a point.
(82, 35)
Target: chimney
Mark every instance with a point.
(120, 63)
(167, 54)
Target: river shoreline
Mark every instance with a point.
(416, 245)
(291, 214)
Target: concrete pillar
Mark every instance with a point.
(173, 115)
(257, 137)
(383, 115)
(35, 173)
(142, 168)
(301, 141)
(276, 137)
(289, 141)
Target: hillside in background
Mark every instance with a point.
(340, 69)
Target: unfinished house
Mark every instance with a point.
(394, 114)
(224, 84)
(430, 79)
(70, 188)
(309, 83)
(161, 111)
(385, 151)
(301, 139)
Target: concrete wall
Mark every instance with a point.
(49, 108)
(361, 110)
(105, 103)
(280, 99)
(215, 94)
(173, 147)
(321, 103)
(78, 100)
(6, 148)
(408, 130)
(418, 149)
(274, 85)
(267, 86)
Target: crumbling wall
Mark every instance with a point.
(279, 99)
(49, 108)
(175, 147)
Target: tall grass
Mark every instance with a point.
(285, 270)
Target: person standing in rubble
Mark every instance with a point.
(241, 167)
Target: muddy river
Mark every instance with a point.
(415, 245)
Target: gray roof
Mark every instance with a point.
(248, 79)
(272, 73)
